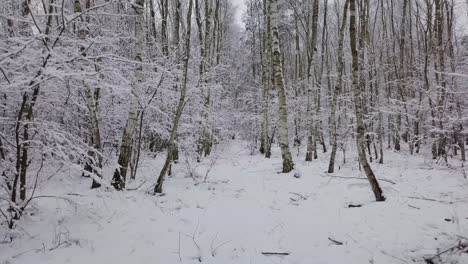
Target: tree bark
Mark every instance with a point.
(120, 174)
(288, 164)
(164, 10)
(312, 47)
(266, 142)
(180, 107)
(358, 105)
(338, 87)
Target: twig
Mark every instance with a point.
(220, 245)
(22, 253)
(299, 197)
(55, 173)
(136, 188)
(275, 253)
(211, 245)
(303, 197)
(4, 74)
(213, 250)
(58, 245)
(463, 170)
(210, 166)
(335, 241)
(22, 208)
(413, 206)
(195, 242)
(180, 258)
(75, 194)
(460, 246)
(359, 178)
(429, 199)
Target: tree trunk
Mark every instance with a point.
(266, 142)
(338, 88)
(164, 10)
(94, 164)
(176, 36)
(358, 104)
(288, 164)
(180, 107)
(318, 135)
(310, 83)
(120, 174)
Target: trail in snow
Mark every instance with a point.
(245, 208)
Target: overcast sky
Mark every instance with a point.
(240, 10)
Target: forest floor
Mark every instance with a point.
(246, 208)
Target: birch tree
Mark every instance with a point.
(94, 165)
(181, 104)
(288, 164)
(120, 173)
(337, 89)
(358, 105)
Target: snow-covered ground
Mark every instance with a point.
(245, 208)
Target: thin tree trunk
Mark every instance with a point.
(266, 81)
(338, 88)
(180, 107)
(164, 10)
(318, 135)
(310, 83)
(206, 135)
(358, 104)
(120, 174)
(152, 19)
(94, 164)
(176, 36)
(288, 163)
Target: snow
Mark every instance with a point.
(245, 208)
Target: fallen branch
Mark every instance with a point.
(31, 250)
(359, 178)
(193, 237)
(75, 194)
(136, 188)
(413, 206)
(335, 241)
(299, 197)
(429, 199)
(275, 253)
(461, 247)
(214, 249)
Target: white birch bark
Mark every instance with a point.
(358, 106)
(120, 173)
(288, 164)
(180, 107)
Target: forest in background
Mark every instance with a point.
(94, 84)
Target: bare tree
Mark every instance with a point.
(338, 87)
(311, 50)
(358, 105)
(180, 106)
(120, 174)
(288, 164)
